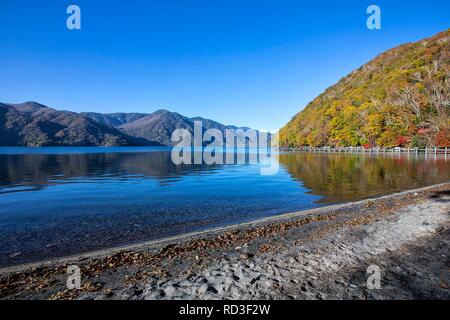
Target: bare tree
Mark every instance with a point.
(409, 97)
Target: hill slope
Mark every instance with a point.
(32, 124)
(113, 119)
(401, 98)
(159, 126)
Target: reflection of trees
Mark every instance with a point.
(42, 169)
(346, 177)
(338, 177)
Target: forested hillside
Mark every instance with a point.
(401, 98)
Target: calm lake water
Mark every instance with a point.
(58, 201)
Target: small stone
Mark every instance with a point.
(439, 229)
(109, 293)
(202, 289)
(169, 291)
(212, 289)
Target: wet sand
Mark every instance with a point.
(317, 254)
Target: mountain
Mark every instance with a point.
(33, 124)
(113, 119)
(211, 124)
(157, 126)
(401, 98)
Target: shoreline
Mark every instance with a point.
(208, 232)
(172, 268)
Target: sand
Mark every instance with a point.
(317, 254)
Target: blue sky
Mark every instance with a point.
(248, 62)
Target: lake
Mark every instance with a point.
(60, 201)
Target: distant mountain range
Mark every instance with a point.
(33, 124)
(155, 127)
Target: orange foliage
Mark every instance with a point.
(442, 139)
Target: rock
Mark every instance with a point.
(109, 293)
(169, 291)
(245, 256)
(211, 289)
(439, 229)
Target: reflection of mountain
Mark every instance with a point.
(337, 177)
(39, 170)
(346, 177)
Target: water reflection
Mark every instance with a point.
(67, 202)
(336, 177)
(348, 177)
(39, 170)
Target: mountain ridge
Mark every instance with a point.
(159, 125)
(400, 98)
(34, 124)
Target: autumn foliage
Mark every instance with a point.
(442, 139)
(401, 98)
